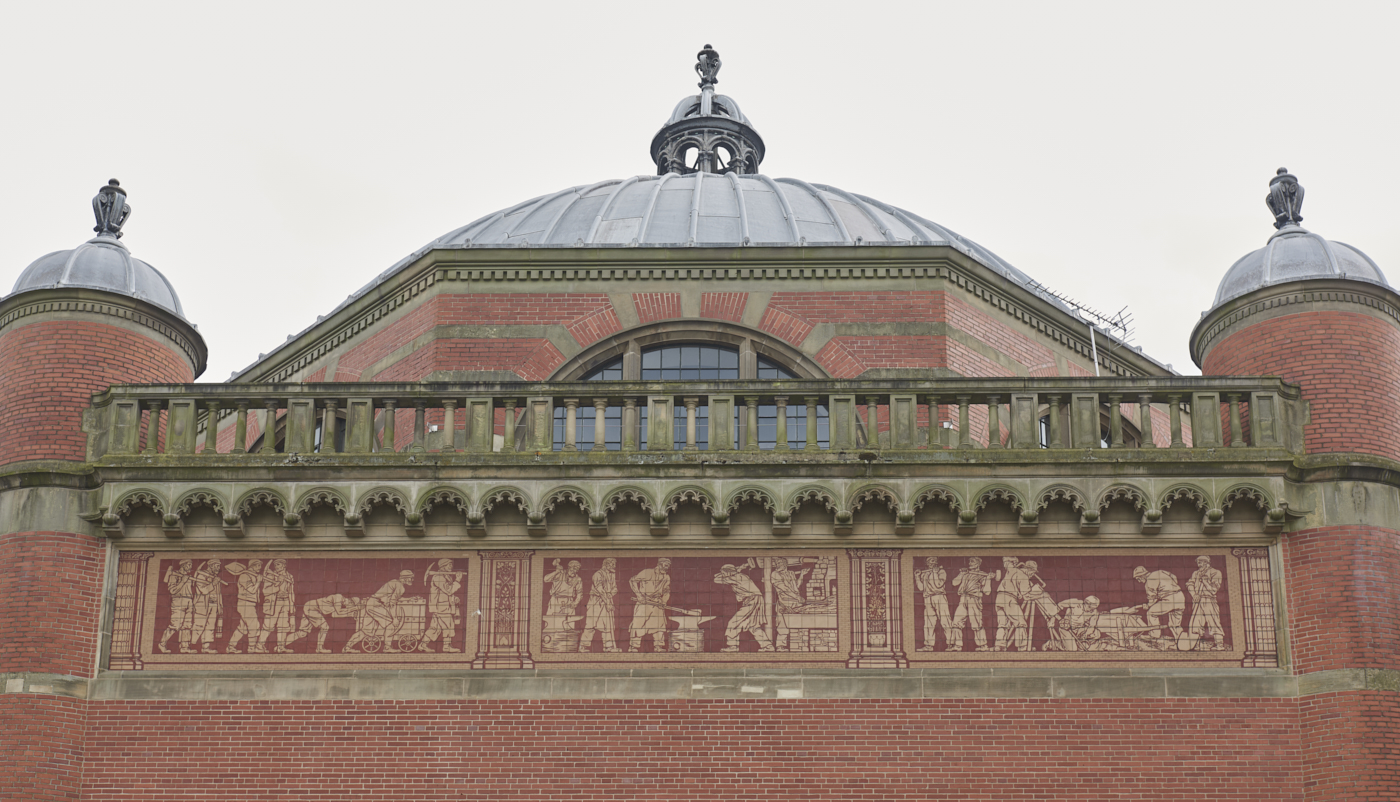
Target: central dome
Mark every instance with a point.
(705, 209)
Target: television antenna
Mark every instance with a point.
(1118, 325)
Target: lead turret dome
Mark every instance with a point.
(102, 263)
(1293, 253)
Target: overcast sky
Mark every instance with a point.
(280, 155)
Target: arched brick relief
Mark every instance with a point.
(262, 496)
(567, 495)
(324, 496)
(938, 493)
(1184, 493)
(381, 496)
(872, 493)
(1129, 493)
(811, 493)
(1247, 492)
(625, 494)
(443, 497)
(140, 497)
(199, 497)
(750, 494)
(999, 493)
(1069, 494)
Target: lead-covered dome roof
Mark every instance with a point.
(1293, 253)
(704, 209)
(102, 263)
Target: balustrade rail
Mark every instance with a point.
(806, 415)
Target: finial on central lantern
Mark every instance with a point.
(111, 210)
(1285, 199)
(707, 66)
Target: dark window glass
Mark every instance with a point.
(692, 362)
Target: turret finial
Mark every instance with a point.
(1285, 199)
(111, 210)
(707, 66)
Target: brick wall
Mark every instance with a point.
(48, 372)
(588, 317)
(1344, 597)
(1351, 745)
(1348, 365)
(41, 738)
(654, 306)
(876, 749)
(51, 584)
(723, 305)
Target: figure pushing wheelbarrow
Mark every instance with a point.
(382, 618)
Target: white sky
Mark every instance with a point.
(280, 155)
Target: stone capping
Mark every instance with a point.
(631, 265)
(96, 302)
(726, 683)
(1229, 317)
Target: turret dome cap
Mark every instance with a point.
(103, 263)
(1293, 253)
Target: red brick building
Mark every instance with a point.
(702, 485)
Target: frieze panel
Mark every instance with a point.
(859, 608)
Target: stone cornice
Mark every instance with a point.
(1292, 298)
(737, 683)
(771, 266)
(75, 301)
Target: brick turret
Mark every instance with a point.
(77, 322)
(1320, 314)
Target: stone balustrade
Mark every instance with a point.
(200, 421)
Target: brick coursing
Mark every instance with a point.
(51, 584)
(723, 305)
(49, 370)
(1343, 596)
(654, 306)
(1348, 365)
(588, 317)
(1351, 746)
(877, 749)
(41, 738)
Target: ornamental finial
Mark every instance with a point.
(111, 210)
(707, 66)
(1285, 199)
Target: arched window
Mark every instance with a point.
(692, 362)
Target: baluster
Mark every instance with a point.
(691, 411)
(964, 433)
(750, 423)
(420, 427)
(269, 444)
(1174, 405)
(328, 427)
(933, 423)
(1236, 428)
(388, 442)
(781, 443)
(508, 436)
(629, 424)
(600, 424)
(152, 427)
(872, 421)
(240, 430)
(1115, 421)
(811, 402)
(993, 421)
(570, 424)
(211, 429)
(1056, 433)
(449, 425)
(1145, 417)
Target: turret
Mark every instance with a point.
(78, 321)
(1318, 313)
